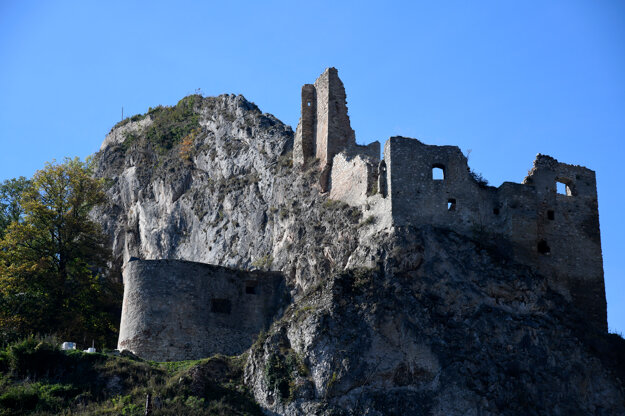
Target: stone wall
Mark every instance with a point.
(304, 146)
(558, 234)
(352, 178)
(178, 310)
(567, 227)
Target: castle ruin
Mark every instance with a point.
(418, 184)
(174, 309)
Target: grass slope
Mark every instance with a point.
(36, 378)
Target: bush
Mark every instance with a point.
(477, 177)
(171, 124)
(32, 356)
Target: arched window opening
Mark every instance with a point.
(543, 248)
(438, 172)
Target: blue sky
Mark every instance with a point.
(507, 80)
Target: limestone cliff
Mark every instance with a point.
(385, 319)
(231, 198)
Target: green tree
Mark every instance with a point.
(51, 260)
(11, 209)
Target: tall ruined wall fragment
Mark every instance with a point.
(568, 236)
(325, 119)
(178, 310)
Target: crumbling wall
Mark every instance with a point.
(324, 121)
(305, 135)
(558, 234)
(453, 199)
(179, 310)
(353, 178)
(568, 230)
(336, 133)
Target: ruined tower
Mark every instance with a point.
(324, 129)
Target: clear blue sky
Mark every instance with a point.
(505, 79)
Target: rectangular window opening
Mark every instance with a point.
(221, 306)
(551, 214)
(564, 188)
(250, 289)
(496, 211)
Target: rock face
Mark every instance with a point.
(446, 326)
(230, 198)
(398, 307)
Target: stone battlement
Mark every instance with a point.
(417, 184)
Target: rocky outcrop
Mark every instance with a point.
(231, 198)
(443, 326)
(385, 319)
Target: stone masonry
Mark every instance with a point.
(324, 129)
(179, 310)
(418, 184)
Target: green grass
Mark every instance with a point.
(36, 378)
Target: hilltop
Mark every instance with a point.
(400, 292)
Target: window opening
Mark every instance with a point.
(551, 214)
(496, 211)
(250, 289)
(438, 172)
(221, 306)
(543, 248)
(564, 187)
(308, 103)
(451, 204)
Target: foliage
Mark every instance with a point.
(186, 147)
(170, 125)
(136, 117)
(264, 262)
(280, 372)
(37, 378)
(10, 208)
(50, 256)
(367, 221)
(477, 177)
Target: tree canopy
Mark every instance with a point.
(10, 207)
(52, 256)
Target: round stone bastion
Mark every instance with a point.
(179, 310)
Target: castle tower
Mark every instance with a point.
(324, 128)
